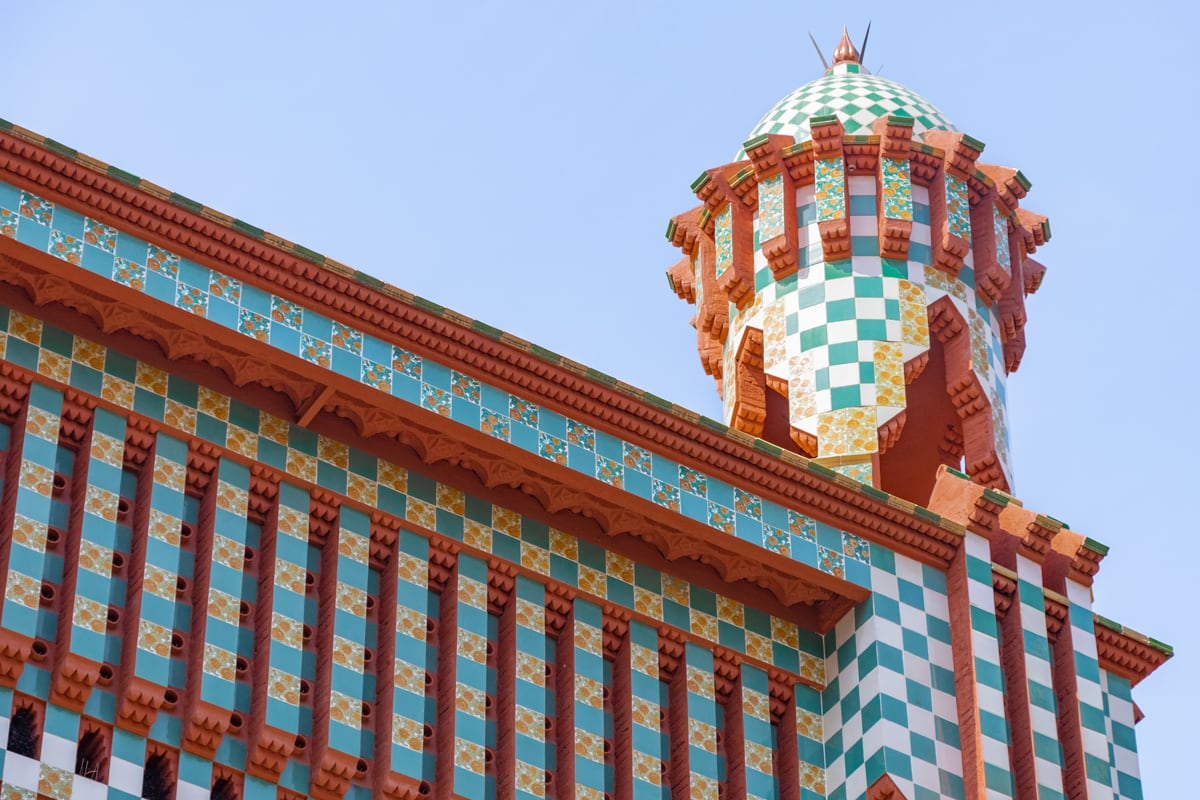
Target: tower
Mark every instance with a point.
(860, 277)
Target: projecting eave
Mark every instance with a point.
(304, 392)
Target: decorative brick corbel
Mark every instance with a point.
(724, 189)
(991, 279)
(782, 251)
(139, 707)
(827, 133)
(749, 387)
(895, 143)
(385, 530)
(884, 788)
(204, 730)
(332, 775)
(500, 583)
(269, 752)
(76, 419)
(15, 650)
(960, 151)
(73, 679)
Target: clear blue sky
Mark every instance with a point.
(518, 162)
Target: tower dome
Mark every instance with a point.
(860, 279)
(856, 97)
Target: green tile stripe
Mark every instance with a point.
(649, 750)
(27, 545)
(219, 626)
(470, 724)
(97, 536)
(286, 595)
(163, 556)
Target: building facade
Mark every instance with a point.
(274, 529)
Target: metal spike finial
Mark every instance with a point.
(820, 55)
(862, 51)
(845, 53)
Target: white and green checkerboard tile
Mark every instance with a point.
(856, 97)
(1122, 742)
(1089, 691)
(1031, 606)
(313, 336)
(889, 706)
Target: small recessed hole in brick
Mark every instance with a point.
(607, 746)
(429, 679)
(662, 716)
(488, 755)
(118, 562)
(170, 698)
(549, 777)
(430, 624)
(241, 664)
(605, 692)
(548, 723)
(549, 670)
(368, 654)
(370, 603)
(181, 586)
(123, 508)
(235, 721)
(249, 555)
(39, 650)
(487, 701)
(176, 641)
(361, 766)
(307, 633)
(489, 648)
(720, 738)
(106, 675)
(53, 537)
(662, 768)
(244, 609)
(59, 483)
(305, 688)
(47, 594)
(424, 789)
(366, 710)
(427, 732)
(310, 580)
(301, 743)
(185, 531)
(114, 617)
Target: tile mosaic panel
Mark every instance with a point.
(723, 238)
(830, 182)
(958, 210)
(770, 207)
(351, 353)
(286, 594)
(348, 691)
(897, 188)
(1003, 256)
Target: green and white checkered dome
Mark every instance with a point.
(857, 97)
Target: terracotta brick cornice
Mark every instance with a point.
(1128, 653)
(437, 333)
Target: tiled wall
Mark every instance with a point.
(313, 336)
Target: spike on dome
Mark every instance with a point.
(845, 52)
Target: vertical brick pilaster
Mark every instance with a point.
(702, 724)
(979, 687)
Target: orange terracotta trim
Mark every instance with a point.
(884, 788)
(1125, 655)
